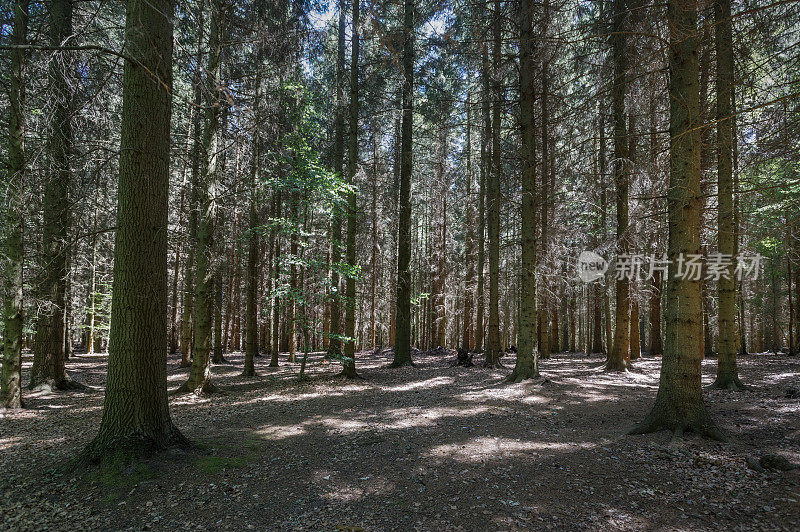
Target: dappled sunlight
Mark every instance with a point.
(421, 385)
(483, 448)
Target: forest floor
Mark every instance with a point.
(431, 447)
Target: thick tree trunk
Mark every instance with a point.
(349, 360)
(727, 373)
(136, 420)
(200, 375)
(486, 156)
(655, 345)
(11, 381)
(402, 348)
(679, 403)
(49, 354)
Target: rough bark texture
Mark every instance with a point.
(11, 379)
(493, 203)
(619, 357)
(527, 365)
(656, 348)
(136, 420)
(679, 403)
(200, 375)
(402, 348)
(727, 373)
(49, 353)
(349, 361)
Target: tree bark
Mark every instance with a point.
(11, 377)
(727, 372)
(349, 360)
(136, 420)
(679, 402)
(619, 356)
(493, 207)
(199, 380)
(49, 354)
(402, 348)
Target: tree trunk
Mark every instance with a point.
(486, 150)
(727, 373)
(402, 348)
(349, 360)
(49, 354)
(679, 403)
(253, 244)
(469, 237)
(656, 348)
(11, 381)
(200, 375)
(187, 312)
(618, 358)
(136, 420)
(276, 273)
(493, 208)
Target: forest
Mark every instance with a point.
(360, 265)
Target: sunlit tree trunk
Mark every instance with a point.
(727, 373)
(679, 402)
(11, 381)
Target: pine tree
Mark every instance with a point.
(136, 420)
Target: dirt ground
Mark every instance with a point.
(426, 448)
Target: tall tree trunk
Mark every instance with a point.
(349, 360)
(199, 380)
(543, 331)
(11, 381)
(335, 345)
(469, 236)
(679, 403)
(402, 348)
(276, 274)
(136, 418)
(486, 150)
(619, 356)
(48, 355)
(727, 373)
(527, 364)
(253, 244)
(493, 207)
(187, 312)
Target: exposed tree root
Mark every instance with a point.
(517, 377)
(221, 360)
(616, 366)
(656, 422)
(206, 388)
(730, 383)
(117, 452)
(251, 373)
